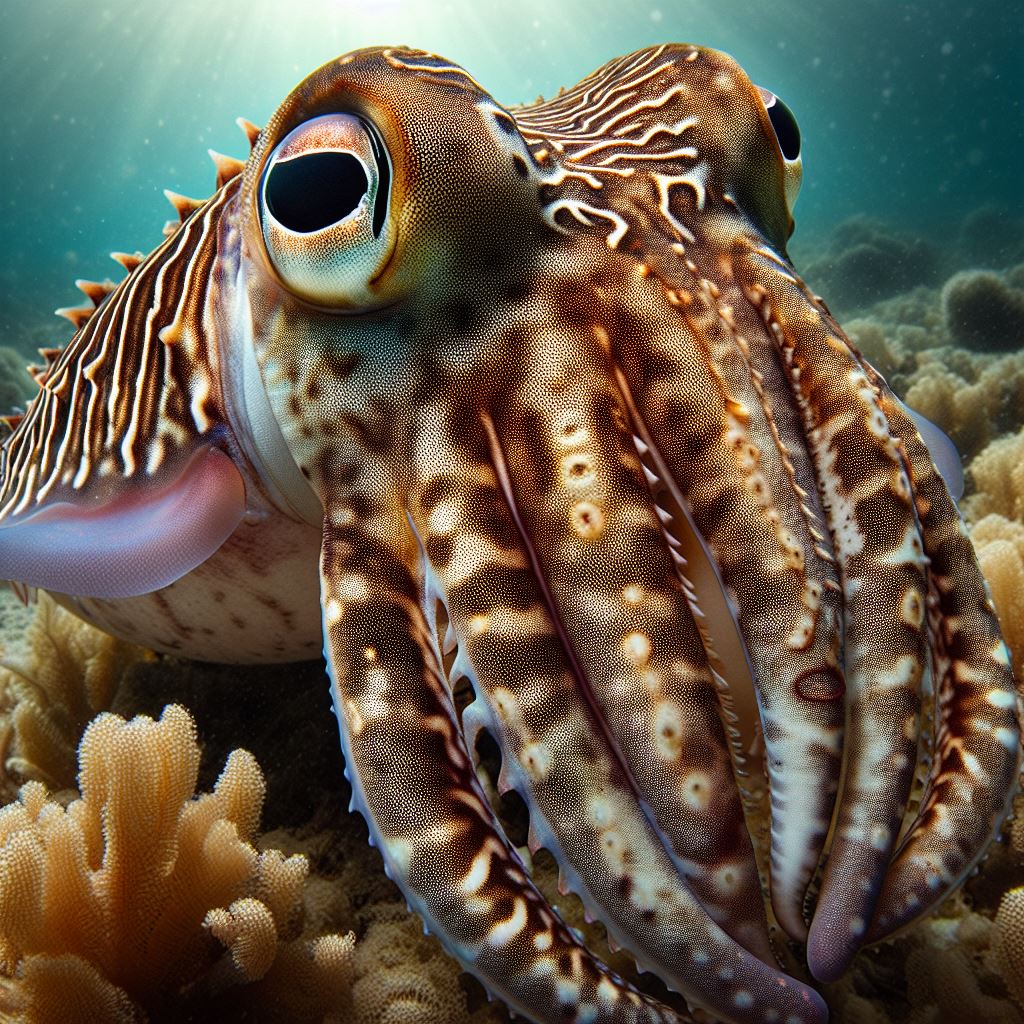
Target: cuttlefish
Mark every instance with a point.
(530, 402)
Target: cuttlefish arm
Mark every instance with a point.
(889, 507)
(976, 760)
(414, 781)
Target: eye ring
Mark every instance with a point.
(325, 211)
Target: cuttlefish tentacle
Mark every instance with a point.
(556, 750)
(867, 495)
(977, 752)
(695, 382)
(603, 549)
(414, 781)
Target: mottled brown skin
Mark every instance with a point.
(579, 434)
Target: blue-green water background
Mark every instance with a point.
(910, 111)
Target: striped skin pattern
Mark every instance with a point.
(570, 433)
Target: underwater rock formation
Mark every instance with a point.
(16, 385)
(864, 261)
(991, 236)
(985, 310)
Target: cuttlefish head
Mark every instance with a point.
(388, 210)
(403, 231)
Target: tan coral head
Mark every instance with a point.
(108, 903)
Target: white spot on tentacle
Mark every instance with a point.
(503, 932)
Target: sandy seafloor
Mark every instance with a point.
(945, 324)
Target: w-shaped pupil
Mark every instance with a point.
(315, 190)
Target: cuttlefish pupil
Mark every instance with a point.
(530, 402)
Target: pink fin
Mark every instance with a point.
(141, 541)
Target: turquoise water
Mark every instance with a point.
(910, 112)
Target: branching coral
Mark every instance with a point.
(64, 673)
(973, 400)
(400, 975)
(998, 474)
(115, 903)
(1000, 545)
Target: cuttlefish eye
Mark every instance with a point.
(787, 134)
(324, 199)
(787, 131)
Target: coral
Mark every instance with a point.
(999, 543)
(998, 474)
(15, 617)
(65, 988)
(1008, 948)
(401, 981)
(858, 1010)
(913, 319)
(117, 901)
(984, 311)
(864, 261)
(943, 971)
(973, 401)
(399, 973)
(64, 673)
(944, 988)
